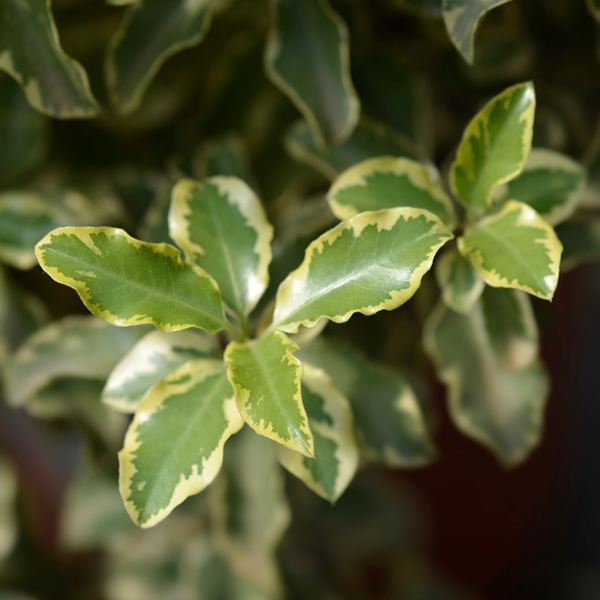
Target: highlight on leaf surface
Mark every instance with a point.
(128, 282)
(336, 453)
(515, 248)
(174, 445)
(371, 262)
(494, 146)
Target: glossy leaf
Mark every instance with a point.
(388, 182)
(308, 58)
(336, 454)
(494, 147)
(581, 241)
(31, 53)
(174, 446)
(372, 262)
(266, 378)
(152, 359)
(151, 32)
(459, 281)
(76, 346)
(462, 18)
(387, 416)
(128, 282)
(515, 248)
(550, 182)
(222, 227)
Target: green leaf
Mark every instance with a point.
(174, 446)
(593, 7)
(222, 227)
(515, 248)
(387, 416)
(76, 346)
(499, 406)
(121, 2)
(372, 262)
(462, 18)
(30, 52)
(494, 147)
(8, 516)
(308, 58)
(128, 282)
(330, 472)
(369, 140)
(581, 240)
(151, 32)
(459, 281)
(266, 377)
(388, 182)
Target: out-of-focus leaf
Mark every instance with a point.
(121, 2)
(154, 227)
(593, 7)
(30, 52)
(308, 58)
(581, 241)
(425, 8)
(8, 516)
(591, 162)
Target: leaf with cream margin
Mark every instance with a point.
(128, 282)
(462, 18)
(151, 32)
(8, 513)
(222, 227)
(174, 446)
(459, 281)
(76, 346)
(372, 262)
(494, 147)
(499, 406)
(152, 359)
(388, 182)
(550, 182)
(387, 417)
(330, 472)
(31, 53)
(266, 377)
(308, 58)
(515, 248)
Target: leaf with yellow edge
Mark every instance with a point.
(515, 248)
(266, 377)
(372, 262)
(174, 446)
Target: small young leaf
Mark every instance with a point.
(151, 32)
(30, 52)
(223, 229)
(308, 58)
(152, 359)
(372, 262)
(494, 147)
(515, 248)
(128, 282)
(266, 378)
(459, 281)
(388, 182)
(581, 240)
(336, 454)
(174, 446)
(462, 18)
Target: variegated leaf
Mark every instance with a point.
(128, 282)
(462, 18)
(308, 58)
(174, 446)
(372, 262)
(515, 248)
(459, 281)
(388, 182)
(152, 359)
(494, 147)
(330, 472)
(151, 32)
(581, 240)
(266, 377)
(387, 416)
(222, 227)
(550, 182)
(30, 52)
(76, 346)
